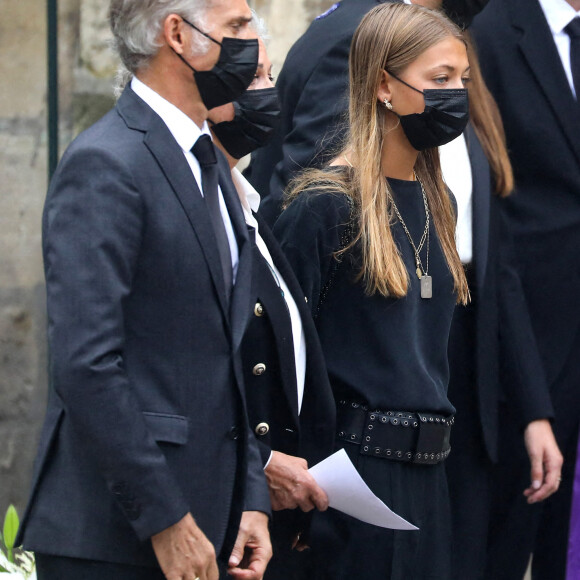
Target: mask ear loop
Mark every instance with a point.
(200, 31)
(406, 84)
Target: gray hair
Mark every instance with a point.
(258, 24)
(137, 24)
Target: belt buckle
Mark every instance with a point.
(433, 441)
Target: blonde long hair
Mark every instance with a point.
(390, 36)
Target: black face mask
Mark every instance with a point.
(445, 117)
(231, 75)
(257, 114)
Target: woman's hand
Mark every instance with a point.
(291, 485)
(545, 460)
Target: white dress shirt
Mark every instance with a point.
(559, 14)
(186, 133)
(250, 199)
(456, 169)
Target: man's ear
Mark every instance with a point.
(174, 33)
(384, 90)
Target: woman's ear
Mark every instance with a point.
(384, 90)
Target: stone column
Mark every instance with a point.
(23, 175)
(286, 21)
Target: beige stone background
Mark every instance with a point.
(86, 72)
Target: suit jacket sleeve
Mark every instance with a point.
(257, 494)
(523, 379)
(92, 229)
(317, 124)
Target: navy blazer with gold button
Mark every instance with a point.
(269, 366)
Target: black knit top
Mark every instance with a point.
(388, 353)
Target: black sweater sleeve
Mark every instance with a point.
(310, 232)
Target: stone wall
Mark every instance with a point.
(23, 183)
(86, 72)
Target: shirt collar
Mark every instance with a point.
(558, 13)
(249, 197)
(183, 129)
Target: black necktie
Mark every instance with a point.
(205, 153)
(573, 31)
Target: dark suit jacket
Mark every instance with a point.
(146, 417)
(542, 121)
(272, 392)
(313, 89)
(507, 362)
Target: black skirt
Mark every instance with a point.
(345, 548)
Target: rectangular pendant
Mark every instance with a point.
(426, 287)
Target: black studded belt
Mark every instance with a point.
(398, 435)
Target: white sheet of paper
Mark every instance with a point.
(348, 493)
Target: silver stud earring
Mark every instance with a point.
(388, 104)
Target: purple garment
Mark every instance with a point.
(573, 562)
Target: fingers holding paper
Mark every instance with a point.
(291, 486)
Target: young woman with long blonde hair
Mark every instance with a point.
(371, 239)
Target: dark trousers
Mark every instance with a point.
(343, 548)
(286, 563)
(469, 469)
(518, 529)
(50, 567)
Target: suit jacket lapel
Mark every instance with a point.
(241, 292)
(317, 416)
(307, 324)
(270, 295)
(539, 50)
(158, 139)
(481, 191)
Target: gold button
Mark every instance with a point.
(259, 369)
(262, 428)
(258, 309)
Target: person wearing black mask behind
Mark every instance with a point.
(493, 356)
(290, 402)
(371, 240)
(313, 94)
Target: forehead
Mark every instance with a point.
(449, 52)
(225, 11)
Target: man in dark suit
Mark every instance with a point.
(493, 360)
(524, 51)
(313, 92)
(147, 467)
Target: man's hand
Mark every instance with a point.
(252, 550)
(292, 486)
(545, 460)
(184, 553)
